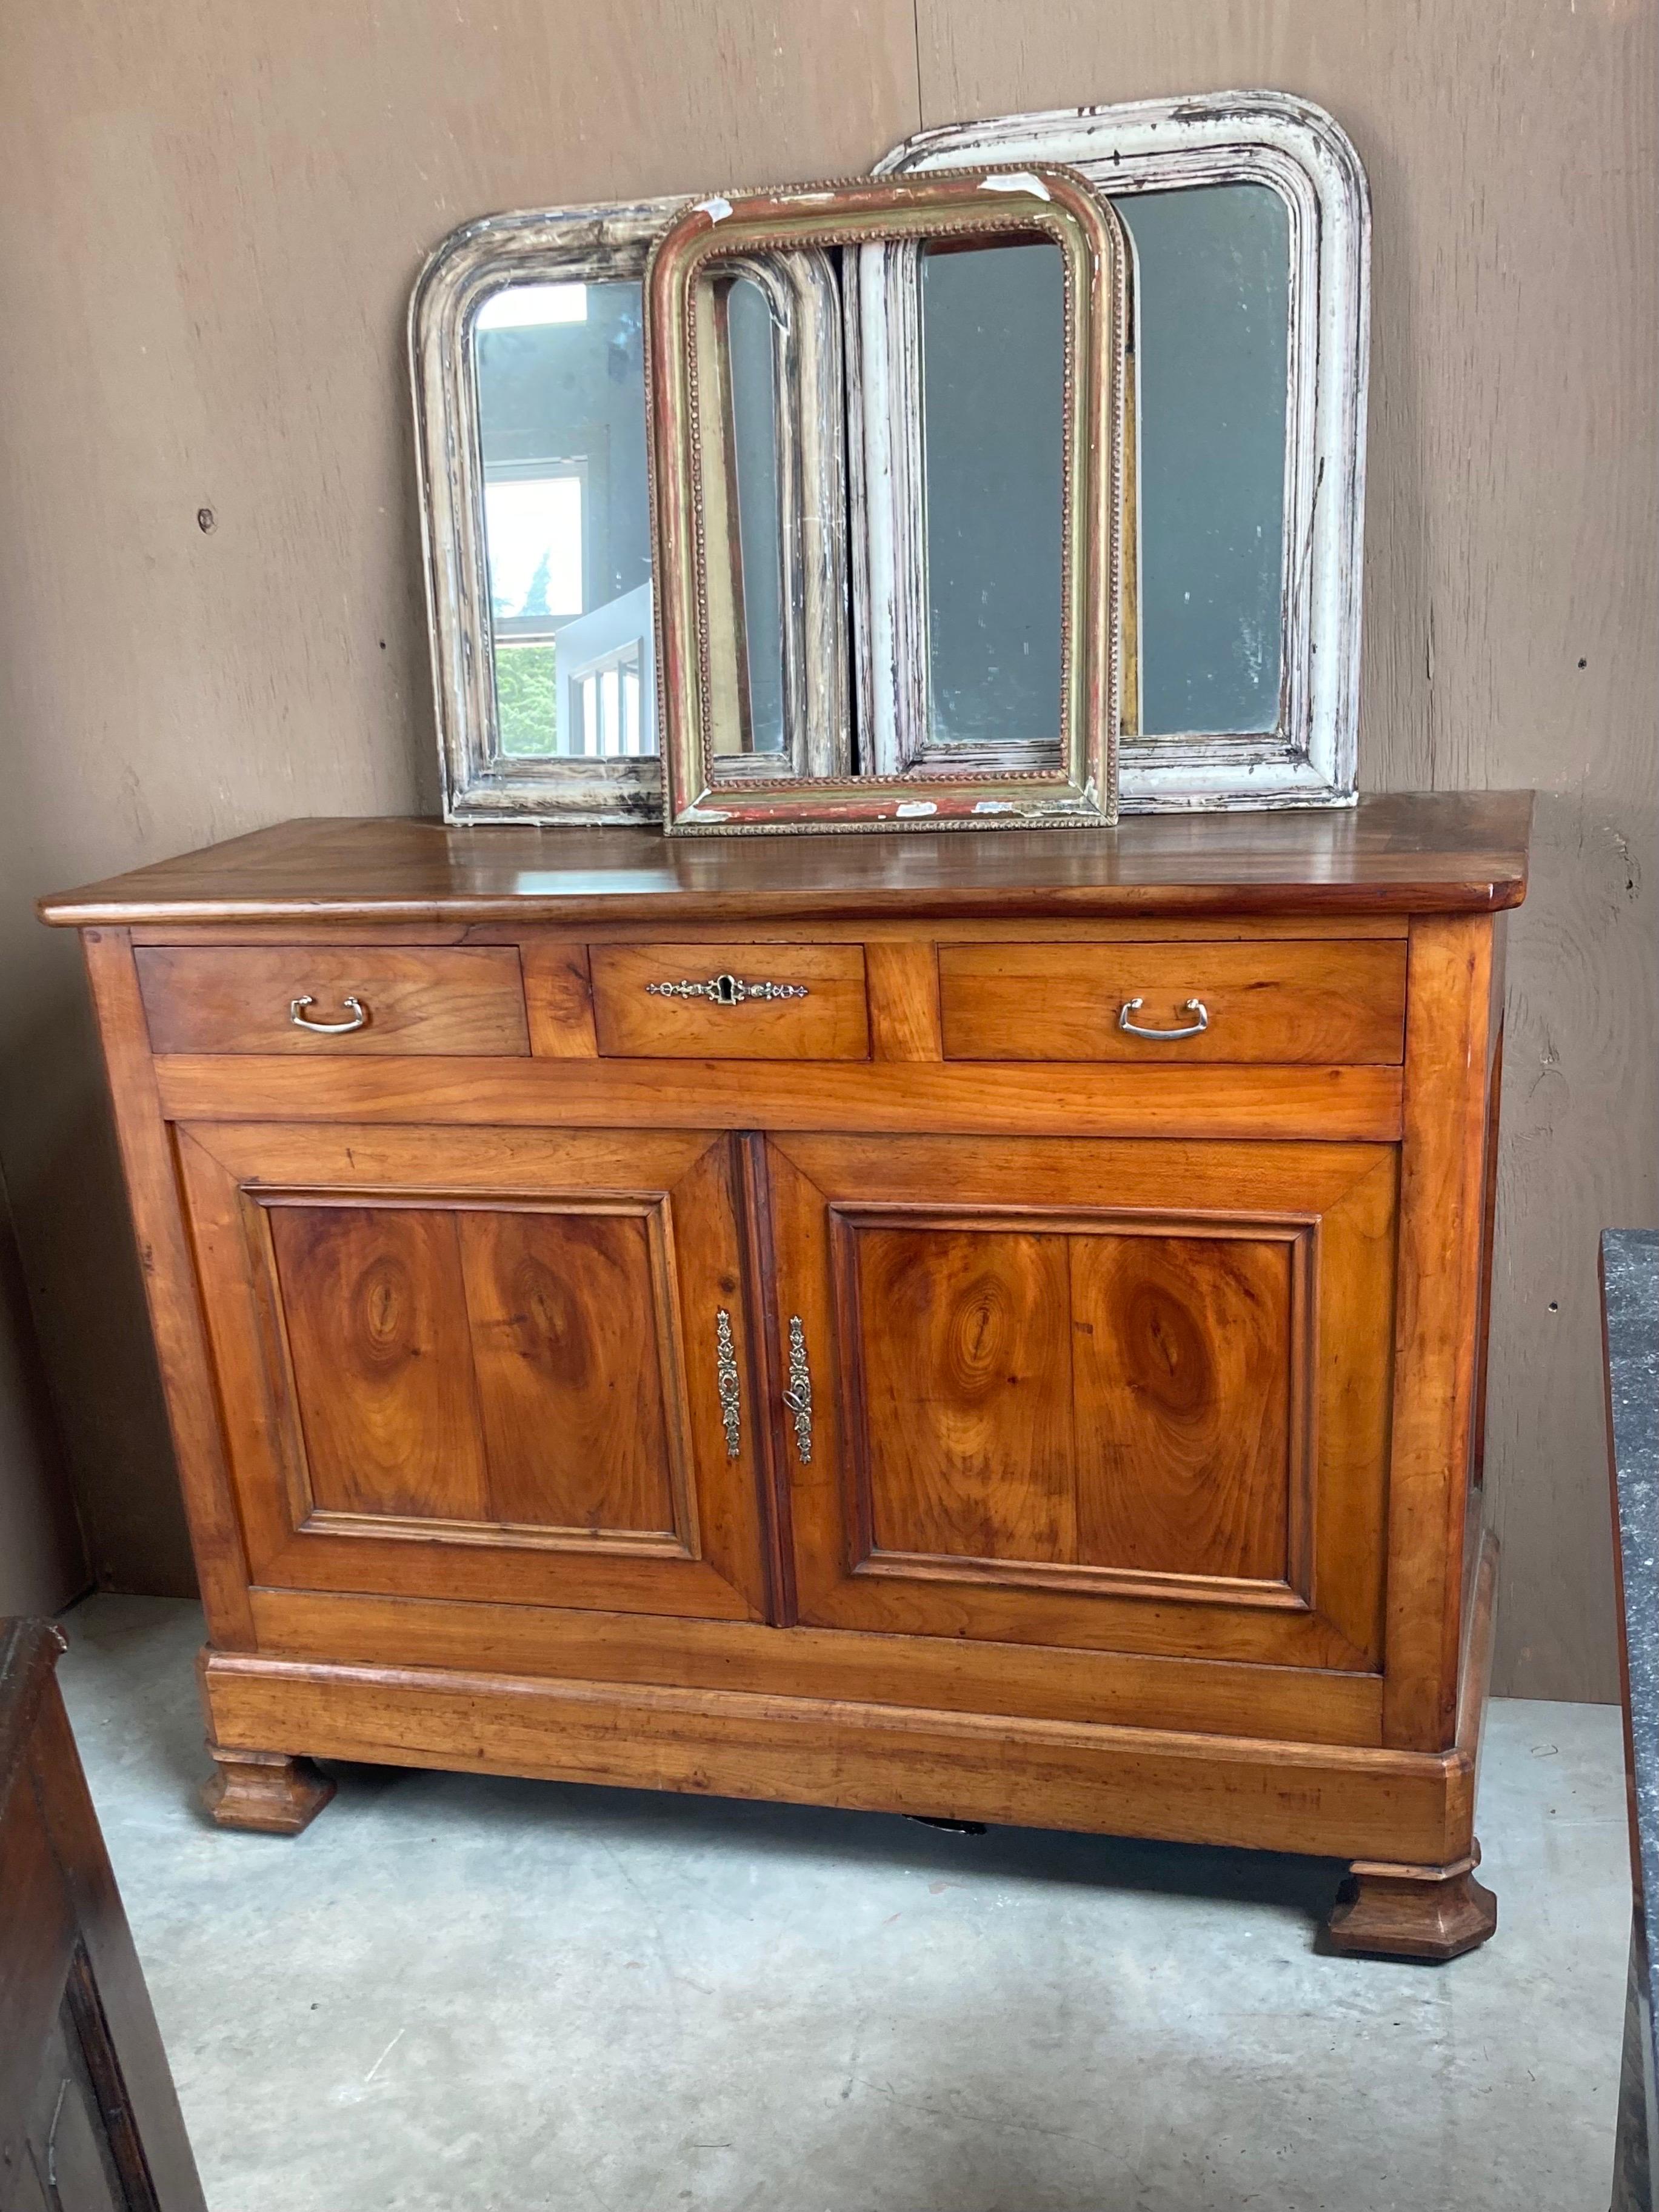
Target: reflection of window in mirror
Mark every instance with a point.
(992, 386)
(561, 398)
(1212, 290)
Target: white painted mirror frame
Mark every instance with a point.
(1252, 138)
(591, 245)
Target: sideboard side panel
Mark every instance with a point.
(170, 1287)
(1448, 1016)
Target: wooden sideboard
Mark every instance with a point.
(980, 1326)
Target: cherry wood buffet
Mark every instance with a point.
(985, 1327)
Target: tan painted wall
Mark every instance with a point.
(209, 223)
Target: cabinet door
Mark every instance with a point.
(483, 1362)
(1117, 1396)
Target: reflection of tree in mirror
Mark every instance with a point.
(535, 597)
(526, 697)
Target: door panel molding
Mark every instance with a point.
(521, 1252)
(1330, 1208)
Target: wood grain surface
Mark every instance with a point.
(215, 231)
(1329, 1103)
(954, 1674)
(1189, 1383)
(962, 1335)
(1311, 1002)
(568, 1331)
(1346, 1801)
(377, 1329)
(1457, 852)
(480, 1362)
(232, 999)
(831, 1021)
(1088, 1400)
(964, 1356)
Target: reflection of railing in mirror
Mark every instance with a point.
(592, 692)
(607, 697)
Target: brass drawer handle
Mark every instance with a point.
(297, 1015)
(798, 1398)
(726, 1377)
(1162, 1036)
(727, 990)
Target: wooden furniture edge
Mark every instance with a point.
(555, 875)
(1106, 901)
(944, 1098)
(1436, 1912)
(1438, 1294)
(170, 1289)
(546, 1643)
(128, 2063)
(1340, 1801)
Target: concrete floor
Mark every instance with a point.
(461, 1995)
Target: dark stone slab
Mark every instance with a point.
(1630, 1306)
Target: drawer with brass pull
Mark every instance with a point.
(723, 1001)
(283, 998)
(1323, 1002)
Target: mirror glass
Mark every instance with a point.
(1213, 336)
(1213, 339)
(561, 394)
(754, 518)
(992, 384)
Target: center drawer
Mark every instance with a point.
(1308, 1001)
(724, 1001)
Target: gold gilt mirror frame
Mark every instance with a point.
(712, 787)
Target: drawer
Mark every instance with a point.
(410, 999)
(1309, 1002)
(730, 1001)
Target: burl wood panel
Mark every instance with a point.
(567, 1345)
(1112, 1400)
(429, 999)
(380, 1346)
(479, 1365)
(633, 1022)
(965, 1360)
(585, 1432)
(1242, 1297)
(1183, 1360)
(1293, 1003)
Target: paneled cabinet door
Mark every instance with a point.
(1116, 1396)
(483, 1362)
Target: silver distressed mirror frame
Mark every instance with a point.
(1253, 137)
(594, 245)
